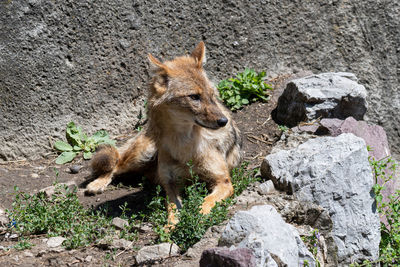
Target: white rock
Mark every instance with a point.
(156, 252)
(263, 230)
(266, 187)
(333, 172)
(56, 241)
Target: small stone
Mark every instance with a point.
(98, 200)
(145, 228)
(13, 236)
(120, 223)
(266, 187)
(156, 252)
(35, 175)
(88, 258)
(54, 242)
(74, 169)
(121, 244)
(28, 254)
(4, 221)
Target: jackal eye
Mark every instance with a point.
(195, 97)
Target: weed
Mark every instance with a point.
(383, 171)
(23, 244)
(248, 86)
(59, 215)
(80, 142)
(283, 128)
(312, 243)
(389, 247)
(192, 224)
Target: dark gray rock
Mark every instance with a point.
(326, 95)
(271, 240)
(86, 60)
(334, 173)
(236, 257)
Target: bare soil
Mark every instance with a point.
(259, 134)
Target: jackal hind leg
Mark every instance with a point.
(132, 157)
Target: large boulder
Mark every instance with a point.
(86, 60)
(334, 173)
(326, 95)
(272, 241)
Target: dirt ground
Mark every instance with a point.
(259, 133)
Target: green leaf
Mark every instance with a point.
(245, 101)
(87, 155)
(77, 148)
(66, 157)
(62, 146)
(74, 134)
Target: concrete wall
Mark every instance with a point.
(86, 60)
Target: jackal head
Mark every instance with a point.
(181, 89)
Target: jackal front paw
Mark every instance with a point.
(95, 187)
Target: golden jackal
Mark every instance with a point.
(186, 122)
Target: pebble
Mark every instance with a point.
(55, 241)
(88, 258)
(120, 223)
(74, 169)
(35, 175)
(28, 254)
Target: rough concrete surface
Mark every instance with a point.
(86, 60)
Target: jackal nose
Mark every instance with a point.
(222, 121)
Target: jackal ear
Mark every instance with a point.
(156, 63)
(199, 53)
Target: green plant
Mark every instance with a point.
(248, 86)
(383, 171)
(80, 142)
(23, 244)
(192, 224)
(283, 128)
(312, 243)
(59, 215)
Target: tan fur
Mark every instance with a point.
(186, 123)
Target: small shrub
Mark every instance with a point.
(60, 215)
(247, 87)
(390, 232)
(80, 142)
(192, 224)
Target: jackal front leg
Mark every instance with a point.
(218, 176)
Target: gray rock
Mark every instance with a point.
(334, 173)
(235, 257)
(119, 223)
(263, 230)
(156, 252)
(121, 244)
(4, 221)
(74, 169)
(56, 241)
(86, 61)
(326, 95)
(266, 187)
